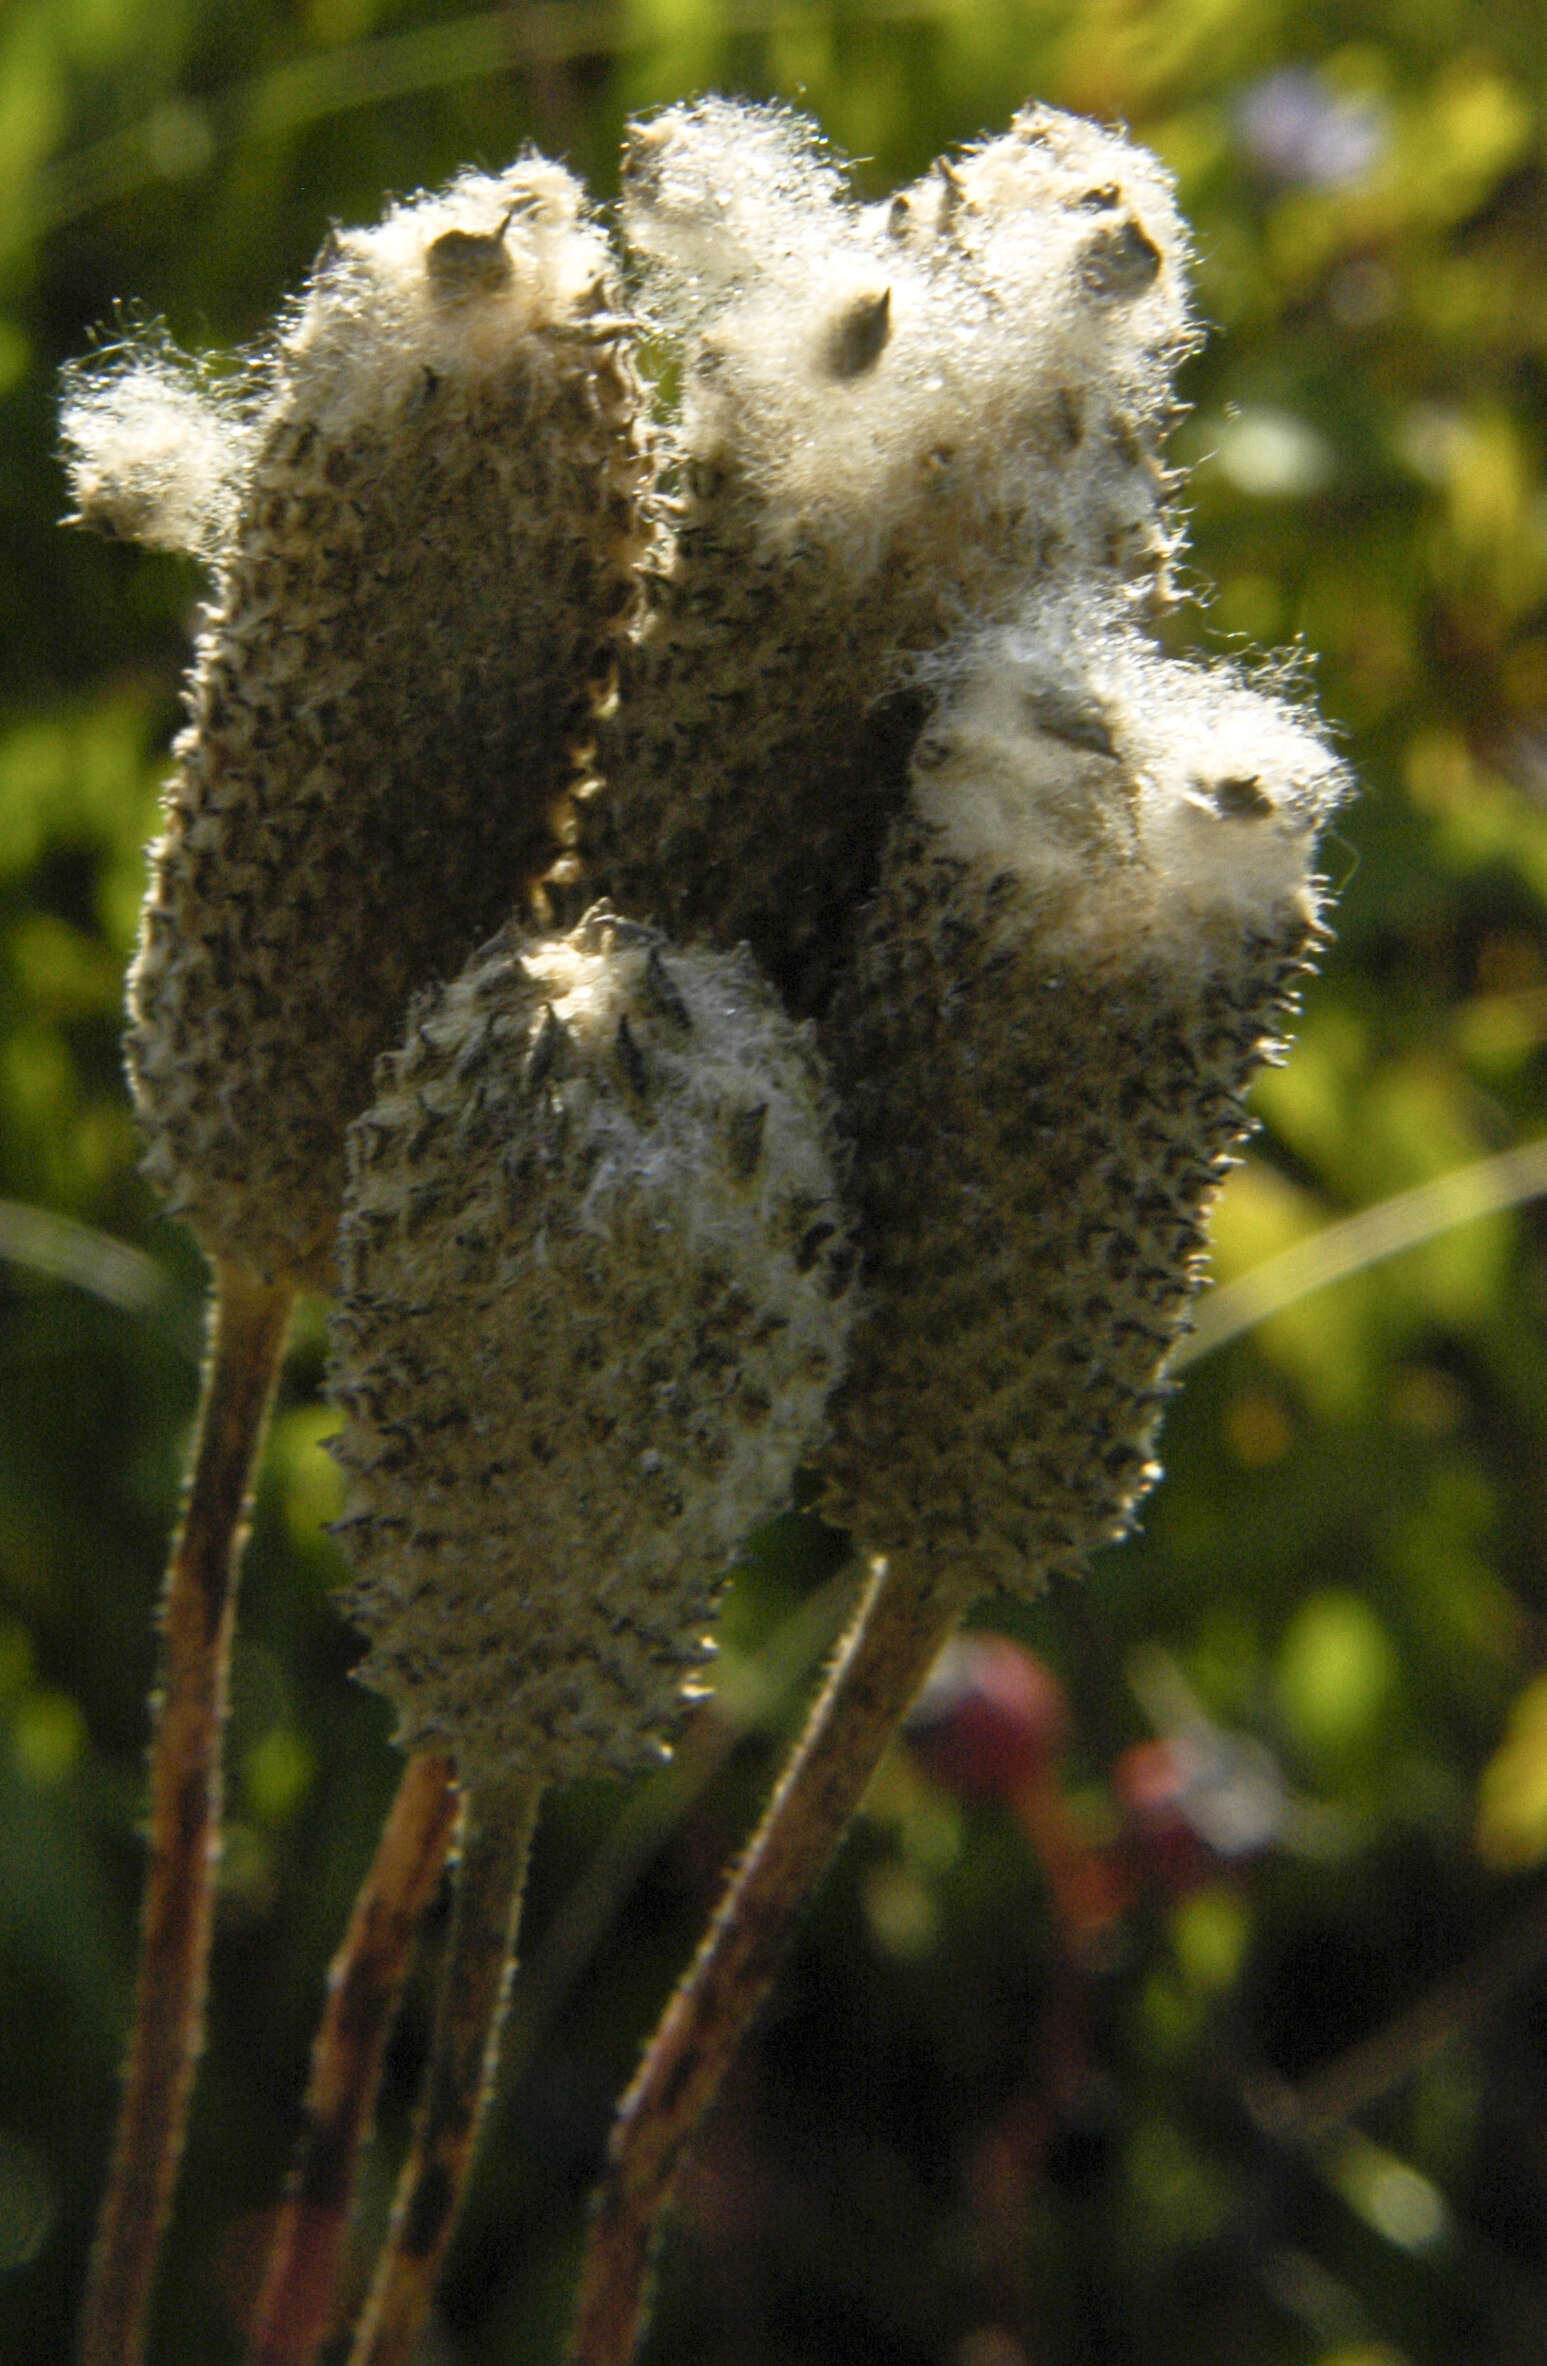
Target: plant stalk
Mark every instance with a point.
(462, 2073)
(248, 1324)
(365, 1984)
(897, 1632)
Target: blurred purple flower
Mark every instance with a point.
(1295, 129)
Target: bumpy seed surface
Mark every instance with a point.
(430, 559)
(1086, 942)
(595, 1294)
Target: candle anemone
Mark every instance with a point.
(421, 512)
(1092, 920)
(595, 1294)
(728, 940)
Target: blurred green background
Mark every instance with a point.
(1288, 2106)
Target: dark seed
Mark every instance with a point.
(631, 1057)
(1242, 798)
(469, 262)
(858, 338)
(746, 1140)
(663, 990)
(545, 1044)
(810, 1246)
(1120, 263)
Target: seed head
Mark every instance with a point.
(1090, 929)
(427, 531)
(595, 1274)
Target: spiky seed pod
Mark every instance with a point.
(892, 418)
(423, 561)
(594, 1297)
(1089, 934)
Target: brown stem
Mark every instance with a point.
(247, 1339)
(897, 1632)
(464, 2064)
(1330, 2097)
(365, 1982)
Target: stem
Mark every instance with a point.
(896, 1634)
(365, 1983)
(247, 1338)
(464, 2065)
(1330, 2097)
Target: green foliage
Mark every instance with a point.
(960, 2139)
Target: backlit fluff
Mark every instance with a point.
(156, 447)
(893, 419)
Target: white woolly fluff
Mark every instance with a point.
(1032, 294)
(447, 283)
(1127, 790)
(719, 192)
(588, 992)
(153, 450)
(450, 284)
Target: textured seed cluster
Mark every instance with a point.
(894, 418)
(828, 700)
(428, 559)
(595, 1296)
(1091, 926)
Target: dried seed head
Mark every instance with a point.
(432, 531)
(595, 1271)
(1090, 930)
(1039, 281)
(892, 418)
